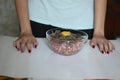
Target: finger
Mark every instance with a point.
(106, 47)
(111, 46)
(35, 43)
(14, 44)
(93, 43)
(101, 47)
(29, 47)
(17, 44)
(22, 46)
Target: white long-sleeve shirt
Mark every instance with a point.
(71, 14)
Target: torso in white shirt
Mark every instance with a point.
(72, 14)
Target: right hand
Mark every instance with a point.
(26, 40)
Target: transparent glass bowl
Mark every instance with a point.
(66, 45)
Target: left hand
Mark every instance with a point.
(104, 45)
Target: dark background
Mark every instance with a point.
(112, 26)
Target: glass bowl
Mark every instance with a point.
(66, 41)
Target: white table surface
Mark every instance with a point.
(45, 64)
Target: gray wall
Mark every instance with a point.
(8, 18)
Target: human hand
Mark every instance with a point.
(26, 40)
(104, 45)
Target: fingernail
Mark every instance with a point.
(111, 51)
(102, 52)
(107, 52)
(113, 48)
(29, 51)
(22, 51)
(93, 46)
(15, 46)
(35, 46)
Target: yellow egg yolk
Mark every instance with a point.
(66, 33)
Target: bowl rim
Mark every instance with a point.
(86, 35)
